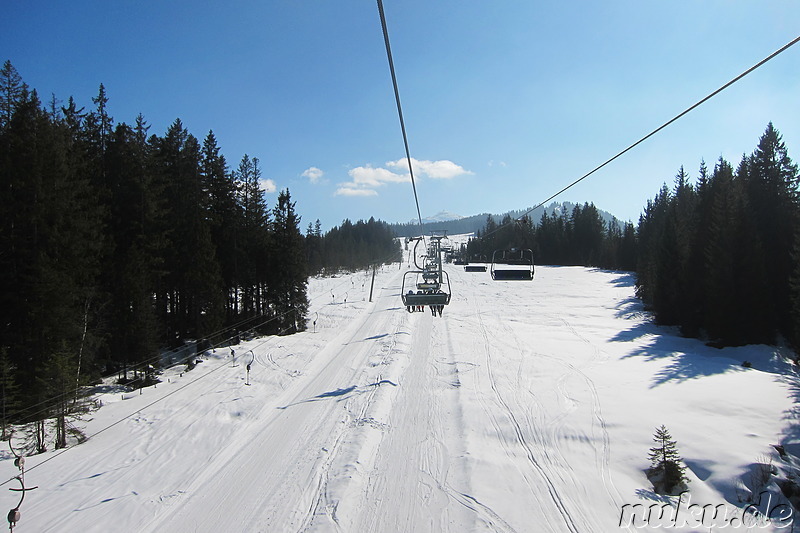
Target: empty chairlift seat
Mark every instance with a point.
(475, 268)
(515, 264)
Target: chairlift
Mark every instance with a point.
(426, 294)
(428, 285)
(517, 264)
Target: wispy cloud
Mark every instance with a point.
(350, 191)
(313, 174)
(366, 179)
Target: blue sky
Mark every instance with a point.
(505, 101)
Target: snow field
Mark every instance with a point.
(530, 406)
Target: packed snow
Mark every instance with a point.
(530, 406)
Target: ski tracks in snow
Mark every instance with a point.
(407, 487)
(540, 403)
(598, 421)
(567, 519)
(295, 469)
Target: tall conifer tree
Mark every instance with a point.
(289, 281)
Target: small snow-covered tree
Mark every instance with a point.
(666, 471)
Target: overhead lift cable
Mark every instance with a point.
(667, 123)
(399, 109)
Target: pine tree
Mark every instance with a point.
(253, 265)
(773, 196)
(224, 218)
(132, 267)
(12, 90)
(288, 289)
(587, 235)
(650, 268)
(314, 248)
(626, 258)
(102, 124)
(194, 291)
(666, 471)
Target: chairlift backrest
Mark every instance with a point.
(508, 274)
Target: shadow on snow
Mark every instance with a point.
(341, 393)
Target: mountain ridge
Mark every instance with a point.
(470, 224)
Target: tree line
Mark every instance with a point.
(116, 243)
(577, 237)
(719, 257)
(351, 246)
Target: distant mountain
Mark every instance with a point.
(455, 224)
(441, 216)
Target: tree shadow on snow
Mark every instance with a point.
(688, 358)
(650, 495)
(790, 440)
(623, 279)
(632, 308)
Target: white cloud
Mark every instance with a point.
(313, 174)
(373, 177)
(366, 179)
(442, 169)
(350, 191)
(268, 186)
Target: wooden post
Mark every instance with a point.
(371, 285)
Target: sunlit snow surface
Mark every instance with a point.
(530, 406)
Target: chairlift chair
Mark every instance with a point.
(507, 258)
(433, 289)
(434, 295)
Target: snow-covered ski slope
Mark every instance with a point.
(529, 407)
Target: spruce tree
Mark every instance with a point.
(132, 267)
(11, 92)
(773, 187)
(666, 471)
(193, 282)
(223, 216)
(254, 239)
(288, 288)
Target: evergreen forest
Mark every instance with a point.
(117, 244)
(719, 257)
(351, 246)
(579, 237)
